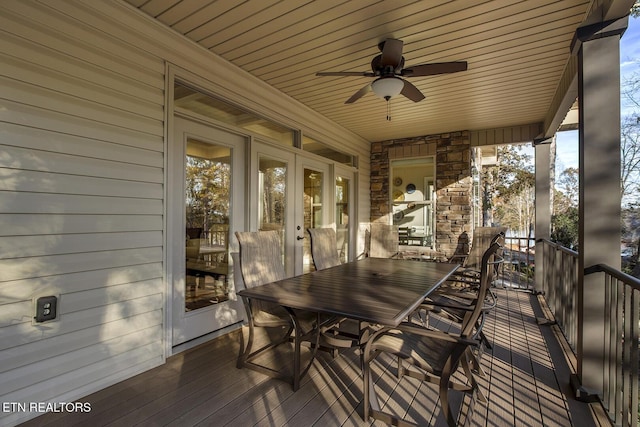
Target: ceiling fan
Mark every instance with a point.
(388, 68)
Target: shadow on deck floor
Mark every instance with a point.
(526, 383)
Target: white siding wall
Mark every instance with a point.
(81, 206)
(81, 189)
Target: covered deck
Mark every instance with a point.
(526, 382)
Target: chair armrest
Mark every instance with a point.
(412, 328)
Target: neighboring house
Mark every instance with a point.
(97, 105)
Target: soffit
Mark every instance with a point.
(516, 53)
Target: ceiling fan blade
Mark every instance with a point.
(435, 68)
(346, 73)
(411, 92)
(391, 53)
(359, 94)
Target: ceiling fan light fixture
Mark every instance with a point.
(387, 87)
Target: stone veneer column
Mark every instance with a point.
(453, 184)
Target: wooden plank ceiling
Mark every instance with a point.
(516, 53)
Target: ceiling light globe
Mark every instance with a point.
(387, 87)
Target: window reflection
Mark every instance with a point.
(272, 205)
(207, 188)
(342, 217)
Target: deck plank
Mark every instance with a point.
(526, 382)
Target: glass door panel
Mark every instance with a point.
(342, 217)
(205, 205)
(313, 206)
(313, 202)
(207, 202)
(272, 192)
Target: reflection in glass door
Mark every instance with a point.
(342, 217)
(207, 184)
(313, 215)
(272, 193)
(205, 175)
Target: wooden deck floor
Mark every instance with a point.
(526, 383)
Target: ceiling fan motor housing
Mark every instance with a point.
(388, 68)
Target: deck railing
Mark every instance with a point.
(621, 333)
(519, 263)
(560, 285)
(620, 329)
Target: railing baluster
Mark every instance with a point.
(609, 331)
(621, 326)
(635, 359)
(619, 348)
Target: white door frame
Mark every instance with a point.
(351, 174)
(296, 163)
(187, 326)
(328, 203)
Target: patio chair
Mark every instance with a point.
(454, 298)
(483, 237)
(435, 353)
(260, 262)
(324, 248)
(338, 333)
(384, 241)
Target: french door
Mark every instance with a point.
(206, 204)
(289, 193)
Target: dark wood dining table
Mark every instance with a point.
(371, 290)
(375, 290)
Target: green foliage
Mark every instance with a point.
(564, 228)
(509, 189)
(207, 192)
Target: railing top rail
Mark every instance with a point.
(623, 277)
(558, 247)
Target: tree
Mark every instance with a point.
(564, 221)
(207, 192)
(568, 184)
(564, 228)
(509, 190)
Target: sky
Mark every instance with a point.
(567, 142)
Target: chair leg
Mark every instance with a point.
(449, 368)
(475, 362)
(472, 380)
(444, 396)
(298, 372)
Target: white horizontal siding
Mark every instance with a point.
(33, 267)
(71, 37)
(24, 355)
(40, 182)
(81, 206)
(116, 145)
(25, 224)
(47, 161)
(25, 333)
(73, 282)
(53, 121)
(56, 365)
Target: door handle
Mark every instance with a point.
(300, 237)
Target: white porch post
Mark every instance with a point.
(543, 208)
(599, 162)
